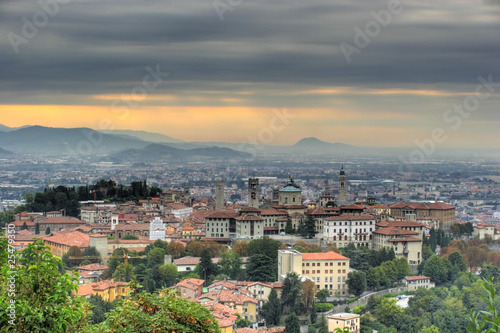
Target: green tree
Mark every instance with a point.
(242, 322)
(271, 310)
(387, 312)
(322, 295)
(162, 312)
(130, 237)
(487, 321)
(490, 270)
(261, 268)
(289, 227)
(206, 267)
(99, 309)
(314, 314)
(457, 261)
(309, 228)
(431, 329)
(37, 229)
(266, 246)
(156, 257)
(230, 264)
(124, 272)
(292, 324)
(24, 226)
(323, 325)
(436, 268)
(93, 255)
(433, 239)
(47, 231)
(41, 302)
(290, 294)
(356, 281)
(73, 252)
(168, 273)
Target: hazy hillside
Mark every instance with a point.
(143, 135)
(157, 152)
(38, 139)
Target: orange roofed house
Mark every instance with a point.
(190, 288)
(328, 270)
(109, 290)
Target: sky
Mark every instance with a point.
(372, 73)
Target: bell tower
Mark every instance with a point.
(219, 195)
(342, 186)
(253, 192)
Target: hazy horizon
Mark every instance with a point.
(368, 74)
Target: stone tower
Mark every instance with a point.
(100, 242)
(342, 186)
(219, 195)
(253, 192)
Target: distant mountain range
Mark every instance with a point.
(120, 145)
(158, 152)
(314, 145)
(4, 152)
(143, 135)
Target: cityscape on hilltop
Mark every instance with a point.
(308, 210)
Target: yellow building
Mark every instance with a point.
(109, 290)
(405, 243)
(328, 270)
(341, 320)
(444, 212)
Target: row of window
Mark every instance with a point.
(356, 223)
(314, 264)
(330, 287)
(326, 272)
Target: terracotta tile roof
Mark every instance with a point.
(290, 207)
(400, 224)
(222, 214)
(187, 261)
(59, 220)
(406, 239)
(229, 296)
(246, 330)
(250, 209)
(20, 223)
(353, 206)
(244, 218)
(422, 205)
(71, 238)
(272, 211)
(270, 228)
(393, 231)
(131, 226)
(106, 284)
(92, 267)
(323, 256)
(193, 284)
(350, 217)
(85, 290)
(416, 278)
(25, 235)
(222, 283)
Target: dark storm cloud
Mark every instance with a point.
(102, 47)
